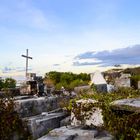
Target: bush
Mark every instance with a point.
(10, 123)
(122, 124)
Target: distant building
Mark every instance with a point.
(123, 81)
(98, 81)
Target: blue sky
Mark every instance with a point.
(58, 32)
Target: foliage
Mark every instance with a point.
(1, 83)
(7, 83)
(122, 124)
(67, 79)
(10, 123)
(77, 82)
(133, 71)
(134, 81)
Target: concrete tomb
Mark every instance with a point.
(98, 81)
(41, 124)
(76, 133)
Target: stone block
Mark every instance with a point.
(131, 105)
(76, 133)
(35, 106)
(41, 124)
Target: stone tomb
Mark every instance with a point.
(123, 81)
(37, 105)
(41, 124)
(129, 105)
(98, 81)
(76, 133)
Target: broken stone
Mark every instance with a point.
(66, 121)
(132, 105)
(23, 97)
(85, 113)
(123, 81)
(76, 133)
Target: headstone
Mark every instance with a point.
(31, 76)
(32, 87)
(123, 81)
(98, 81)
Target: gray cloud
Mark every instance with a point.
(56, 64)
(128, 55)
(77, 63)
(8, 69)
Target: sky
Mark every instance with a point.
(68, 35)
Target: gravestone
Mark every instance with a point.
(123, 81)
(98, 81)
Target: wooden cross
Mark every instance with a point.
(27, 57)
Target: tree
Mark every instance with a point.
(1, 83)
(134, 81)
(54, 76)
(66, 79)
(9, 83)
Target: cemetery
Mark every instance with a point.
(70, 70)
(82, 108)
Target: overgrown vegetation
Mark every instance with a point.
(134, 80)
(10, 124)
(124, 125)
(67, 80)
(7, 83)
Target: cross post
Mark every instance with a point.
(27, 57)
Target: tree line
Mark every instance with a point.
(68, 80)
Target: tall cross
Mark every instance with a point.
(27, 57)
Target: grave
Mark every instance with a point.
(39, 125)
(76, 133)
(128, 105)
(98, 81)
(36, 105)
(33, 85)
(123, 81)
